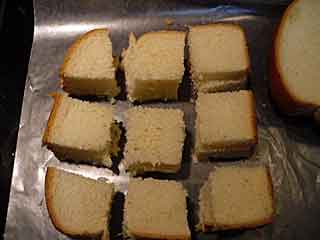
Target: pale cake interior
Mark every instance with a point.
(298, 50)
(154, 65)
(162, 214)
(78, 206)
(89, 66)
(225, 120)
(155, 139)
(218, 52)
(83, 131)
(236, 197)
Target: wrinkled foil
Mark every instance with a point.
(290, 147)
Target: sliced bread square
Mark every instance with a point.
(155, 139)
(236, 197)
(218, 57)
(154, 65)
(295, 60)
(89, 67)
(225, 125)
(78, 206)
(82, 131)
(156, 209)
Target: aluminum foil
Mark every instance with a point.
(289, 146)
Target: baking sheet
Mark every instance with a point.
(289, 146)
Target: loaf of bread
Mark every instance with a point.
(89, 67)
(295, 62)
(154, 65)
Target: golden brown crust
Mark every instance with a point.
(217, 227)
(69, 54)
(286, 101)
(254, 118)
(161, 32)
(234, 151)
(49, 193)
(57, 97)
(137, 168)
(143, 235)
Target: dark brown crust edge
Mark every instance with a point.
(155, 236)
(263, 221)
(286, 101)
(50, 175)
(63, 80)
(57, 98)
(254, 119)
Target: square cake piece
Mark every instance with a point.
(78, 206)
(225, 125)
(155, 139)
(82, 131)
(236, 197)
(156, 209)
(154, 65)
(89, 67)
(219, 57)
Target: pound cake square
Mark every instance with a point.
(89, 67)
(156, 209)
(78, 206)
(155, 139)
(219, 57)
(236, 197)
(82, 131)
(154, 65)
(225, 124)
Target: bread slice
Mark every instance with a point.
(155, 139)
(225, 124)
(82, 131)
(295, 74)
(156, 209)
(236, 197)
(88, 67)
(78, 206)
(219, 57)
(154, 65)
